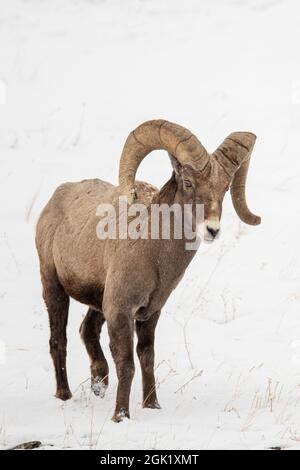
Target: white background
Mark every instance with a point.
(79, 76)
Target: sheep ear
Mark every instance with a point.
(175, 164)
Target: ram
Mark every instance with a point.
(126, 281)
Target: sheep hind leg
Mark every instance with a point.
(57, 303)
(145, 350)
(90, 330)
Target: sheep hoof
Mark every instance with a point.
(63, 394)
(119, 416)
(98, 386)
(153, 405)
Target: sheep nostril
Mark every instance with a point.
(212, 231)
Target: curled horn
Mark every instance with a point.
(155, 135)
(234, 156)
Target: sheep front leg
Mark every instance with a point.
(120, 329)
(145, 349)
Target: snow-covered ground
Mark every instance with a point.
(79, 76)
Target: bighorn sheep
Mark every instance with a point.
(123, 280)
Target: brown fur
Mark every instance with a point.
(121, 281)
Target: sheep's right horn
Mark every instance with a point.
(155, 135)
(234, 156)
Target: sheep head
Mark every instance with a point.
(203, 178)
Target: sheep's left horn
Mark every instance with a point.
(234, 156)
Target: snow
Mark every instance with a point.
(76, 77)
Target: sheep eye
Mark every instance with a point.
(188, 184)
